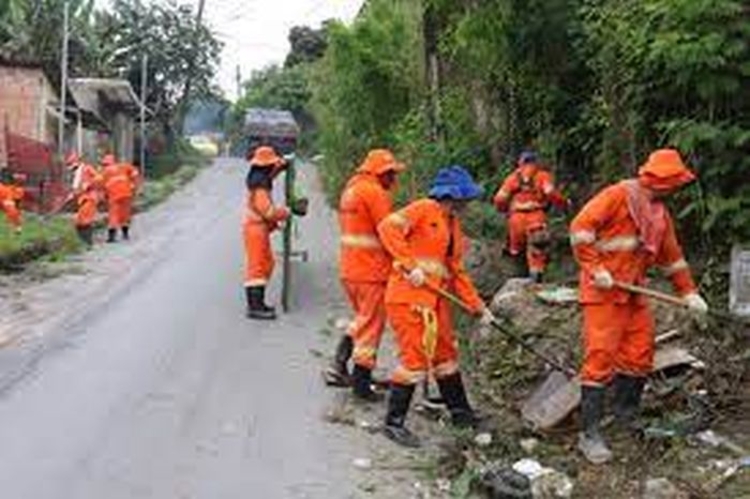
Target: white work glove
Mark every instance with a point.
(487, 317)
(416, 277)
(696, 303)
(603, 279)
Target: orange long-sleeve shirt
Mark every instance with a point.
(262, 211)
(364, 204)
(605, 235)
(528, 188)
(423, 235)
(120, 181)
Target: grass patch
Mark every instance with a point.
(51, 237)
(158, 190)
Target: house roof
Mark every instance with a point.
(97, 95)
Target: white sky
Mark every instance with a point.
(255, 32)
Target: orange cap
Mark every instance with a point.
(665, 171)
(265, 156)
(380, 161)
(108, 159)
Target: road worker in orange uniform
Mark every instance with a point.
(427, 246)
(86, 184)
(262, 217)
(617, 236)
(10, 196)
(364, 268)
(120, 184)
(525, 195)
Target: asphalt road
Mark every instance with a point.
(151, 383)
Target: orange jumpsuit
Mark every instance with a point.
(86, 182)
(618, 329)
(525, 194)
(10, 195)
(364, 263)
(261, 218)
(120, 182)
(422, 234)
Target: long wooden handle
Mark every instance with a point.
(674, 300)
(657, 295)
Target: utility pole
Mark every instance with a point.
(238, 78)
(144, 94)
(63, 82)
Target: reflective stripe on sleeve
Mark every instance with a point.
(582, 237)
(618, 243)
(675, 267)
(360, 241)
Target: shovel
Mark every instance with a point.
(558, 395)
(677, 301)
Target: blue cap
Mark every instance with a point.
(454, 182)
(527, 157)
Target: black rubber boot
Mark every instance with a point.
(627, 401)
(126, 232)
(267, 308)
(255, 309)
(362, 385)
(337, 373)
(453, 392)
(520, 268)
(536, 276)
(399, 399)
(111, 235)
(590, 441)
(86, 234)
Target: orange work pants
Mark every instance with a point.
(119, 212)
(366, 329)
(12, 213)
(520, 225)
(86, 212)
(418, 330)
(617, 338)
(259, 261)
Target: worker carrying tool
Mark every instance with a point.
(525, 195)
(85, 191)
(427, 245)
(120, 185)
(616, 237)
(11, 195)
(364, 268)
(262, 217)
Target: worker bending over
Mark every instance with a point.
(10, 197)
(85, 191)
(617, 236)
(427, 245)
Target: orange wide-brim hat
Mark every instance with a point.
(665, 171)
(265, 157)
(380, 161)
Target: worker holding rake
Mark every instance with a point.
(427, 245)
(618, 235)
